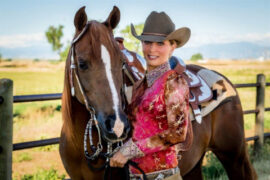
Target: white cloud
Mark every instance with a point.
(21, 40)
(215, 38)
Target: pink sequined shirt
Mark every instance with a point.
(160, 119)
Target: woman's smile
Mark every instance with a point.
(152, 57)
(157, 53)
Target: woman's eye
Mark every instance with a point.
(83, 65)
(160, 43)
(147, 42)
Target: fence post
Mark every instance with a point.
(6, 126)
(259, 122)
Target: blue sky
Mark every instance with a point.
(23, 22)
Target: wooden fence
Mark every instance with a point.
(6, 121)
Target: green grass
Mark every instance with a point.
(23, 157)
(213, 169)
(37, 120)
(42, 174)
(267, 120)
(35, 82)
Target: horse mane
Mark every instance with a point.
(66, 96)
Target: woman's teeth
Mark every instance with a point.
(152, 57)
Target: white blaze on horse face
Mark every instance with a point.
(118, 125)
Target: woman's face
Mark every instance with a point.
(157, 53)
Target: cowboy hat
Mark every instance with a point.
(159, 27)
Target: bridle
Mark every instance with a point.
(97, 150)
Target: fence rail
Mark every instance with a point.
(57, 96)
(37, 97)
(6, 108)
(32, 144)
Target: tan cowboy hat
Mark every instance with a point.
(159, 27)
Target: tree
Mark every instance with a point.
(54, 35)
(196, 57)
(130, 42)
(0, 57)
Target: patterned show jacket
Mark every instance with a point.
(160, 120)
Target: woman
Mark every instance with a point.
(159, 110)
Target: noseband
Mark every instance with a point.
(97, 150)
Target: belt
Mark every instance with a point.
(157, 175)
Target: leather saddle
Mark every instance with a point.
(199, 90)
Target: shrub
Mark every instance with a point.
(196, 57)
(58, 108)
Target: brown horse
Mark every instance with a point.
(221, 132)
(92, 94)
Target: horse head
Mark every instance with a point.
(96, 73)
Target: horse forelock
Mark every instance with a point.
(97, 33)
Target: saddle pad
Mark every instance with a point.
(209, 76)
(224, 90)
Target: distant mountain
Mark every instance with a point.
(237, 50)
(30, 52)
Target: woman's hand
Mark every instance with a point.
(118, 160)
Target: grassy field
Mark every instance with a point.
(40, 120)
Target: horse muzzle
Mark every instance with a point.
(114, 128)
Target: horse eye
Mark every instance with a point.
(83, 65)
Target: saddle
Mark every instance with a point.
(207, 88)
(200, 91)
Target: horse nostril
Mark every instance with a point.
(108, 124)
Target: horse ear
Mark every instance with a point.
(113, 19)
(80, 19)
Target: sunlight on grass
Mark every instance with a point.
(35, 82)
(36, 119)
